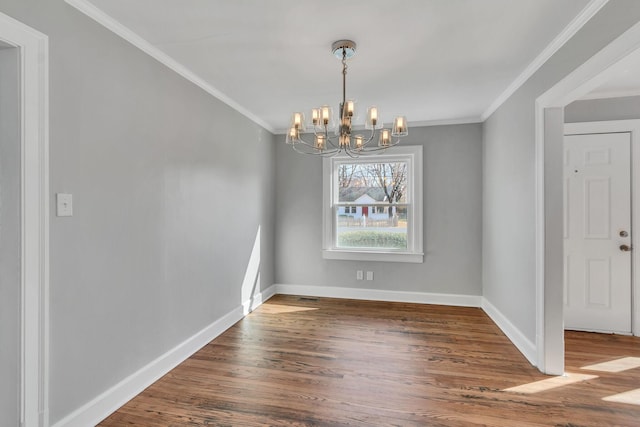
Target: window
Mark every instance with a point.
(383, 196)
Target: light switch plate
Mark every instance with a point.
(369, 275)
(64, 204)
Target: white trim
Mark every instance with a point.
(34, 275)
(380, 295)
(524, 345)
(446, 122)
(108, 402)
(581, 81)
(610, 94)
(413, 155)
(345, 255)
(258, 299)
(116, 27)
(569, 31)
(539, 236)
(633, 127)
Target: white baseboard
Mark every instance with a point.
(258, 300)
(380, 295)
(108, 402)
(524, 345)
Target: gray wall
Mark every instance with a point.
(508, 198)
(169, 187)
(9, 236)
(452, 219)
(592, 110)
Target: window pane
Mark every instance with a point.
(386, 230)
(372, 183)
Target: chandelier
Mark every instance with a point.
(331, 136)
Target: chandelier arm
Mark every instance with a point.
(323, 131)
(297, 150)
(349, 152)
(316, 152)
(299, 140)
(332, 142)
(372, 149)
(373, 134)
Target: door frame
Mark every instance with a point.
(549, 133)
(34, 180)
(633, 128)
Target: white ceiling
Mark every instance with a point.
(431, 60)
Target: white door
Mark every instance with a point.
(597, 232)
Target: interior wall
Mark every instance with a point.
(10, 243)
(593, 110)
(452, 173)
(509, 176)
(171, 188)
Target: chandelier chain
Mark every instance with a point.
(344, 77)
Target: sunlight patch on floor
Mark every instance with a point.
(632, 397)
(280, 308)
(617, 365)
(550, 383)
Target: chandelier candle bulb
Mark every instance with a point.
(373, 115)
(292, 136)
(385, 138)
(359, 142)
(400, 126)
(315, 116)
(349, 108)
(321, 142)
(298, 121)
(326, 115)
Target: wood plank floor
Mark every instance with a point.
(299, 361)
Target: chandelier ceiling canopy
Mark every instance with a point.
(334, 135)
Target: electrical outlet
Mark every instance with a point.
(359, 275)
(369, 275)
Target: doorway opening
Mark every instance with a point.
(550, 265)
(26, 53)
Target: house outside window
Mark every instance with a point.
(372, 206)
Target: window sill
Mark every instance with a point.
(354, 255)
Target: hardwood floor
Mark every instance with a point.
(299, 361)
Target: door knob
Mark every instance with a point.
(625, 248)
(624, 234)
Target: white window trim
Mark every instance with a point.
(414, 253)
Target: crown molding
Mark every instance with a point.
(127, 34)
(569, 31)
(610, 94)
(445, 122)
